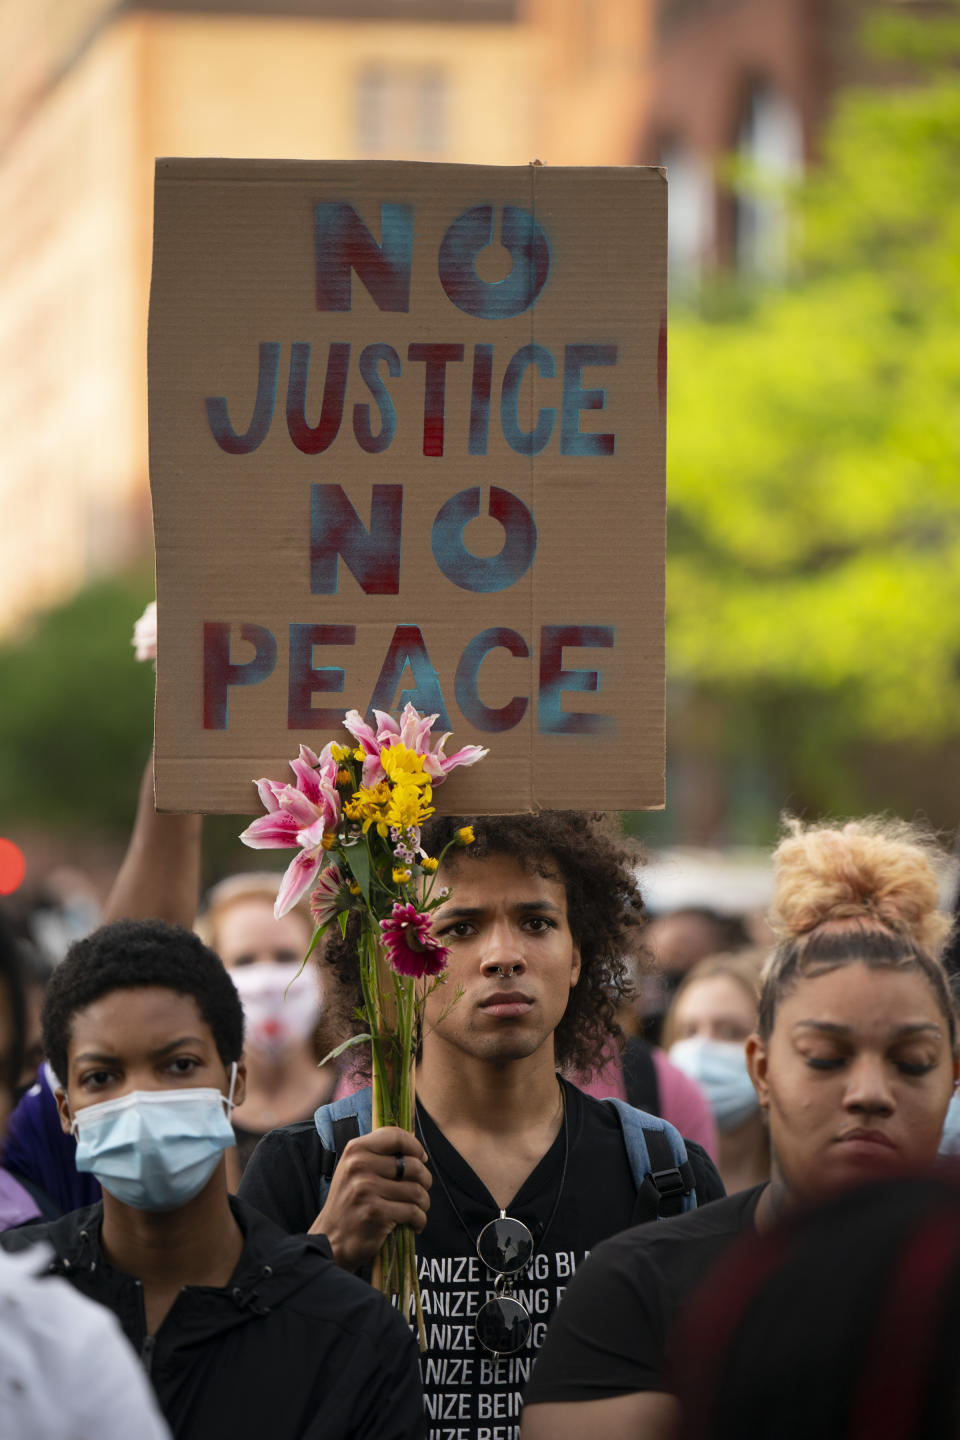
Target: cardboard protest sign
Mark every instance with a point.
(407, 442)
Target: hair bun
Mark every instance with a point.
(874, 871)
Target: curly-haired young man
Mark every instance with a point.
(514, 1174)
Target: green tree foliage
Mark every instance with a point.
(76, 712)
(814, 461)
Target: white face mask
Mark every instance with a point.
(277, 1019)
(155, 1149)
(720, 1069)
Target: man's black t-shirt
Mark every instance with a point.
(610, 1335)
(470, 1395)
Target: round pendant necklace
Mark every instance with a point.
(505, 1246)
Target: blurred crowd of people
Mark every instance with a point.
(695, 1164)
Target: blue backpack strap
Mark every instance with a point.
(659, 1164)
(337, 1124)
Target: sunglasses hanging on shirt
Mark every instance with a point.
(506, 1247)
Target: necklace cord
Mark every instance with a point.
(463, 1224)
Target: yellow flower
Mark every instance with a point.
(400, 875)
(359, 754)
(329, 839)
(370, 805)
(344, 777)
(409, 806)
(354, 888)
(429, 864)
(340, 752)
(465, 835)
(403, 766)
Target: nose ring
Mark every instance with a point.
(504, 973)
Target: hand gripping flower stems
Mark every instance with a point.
(354, 815)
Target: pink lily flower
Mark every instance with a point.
(413, 731)
(411, 949)
(298, 815)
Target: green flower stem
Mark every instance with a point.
(393, 1057)
(370, 984)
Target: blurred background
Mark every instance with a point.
(814, 427)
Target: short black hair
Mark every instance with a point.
(130, 955)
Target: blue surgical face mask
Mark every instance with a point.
(720, 1069)
(155, 1149)
(950, 1140)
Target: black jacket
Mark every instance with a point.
(292, 1349)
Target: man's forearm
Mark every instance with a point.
(160, 875)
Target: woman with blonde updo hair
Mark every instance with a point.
(854, 1061)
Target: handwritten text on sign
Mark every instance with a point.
(371, 545)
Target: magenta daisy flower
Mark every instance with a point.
(411, 949)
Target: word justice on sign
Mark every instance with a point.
(343, 244)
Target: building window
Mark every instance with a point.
(401, 110)
(770, 146)
(690, 213)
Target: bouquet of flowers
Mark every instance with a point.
(354, 814)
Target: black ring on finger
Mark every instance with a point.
(401, 1166)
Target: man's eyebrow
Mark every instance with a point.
(470, 912)
(100, 1058)
(830, 1027)
(175, 1045)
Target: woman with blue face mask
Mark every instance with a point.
(710, 1019)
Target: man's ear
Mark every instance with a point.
(240, 1087)
(63, 1109)
(757, 1060)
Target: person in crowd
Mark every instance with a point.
(843, 1323)
(281, 1007)
(65, 1368)
(36, 970)
(645, 1076)
(243, 1329)
(42, 1158)
(854, 1060)
(159, 877)
(24, 1196)
(678, 939)
(713, 1014)
(514, 1173)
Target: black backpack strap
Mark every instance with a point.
(665, 1184)
(344, 1131)
(640, 1076)
(706, 1176)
